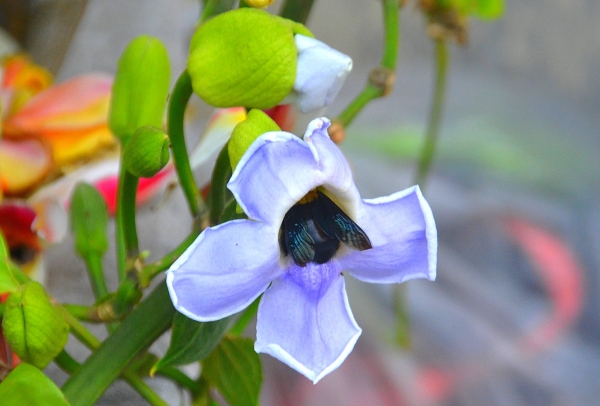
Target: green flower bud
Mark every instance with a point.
(33, 327)
(89, 220)
(244, 134)
(244, 57)
(140, 88)
(147, 152)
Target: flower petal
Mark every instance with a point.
(217, 133)
(24, 163)
(320, 74)
(279, 169)
(335, 170)
(224, 270)
(275, 172)
(52, 221)
(71, 116)
(404, 238)
(308, 327)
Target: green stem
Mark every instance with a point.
(154, 269)
(143, 389)
(70, 365)
(81, 312)
(241, 323)
(208, 10)
(127, 240)
(402, 334)
(177, 104)
(78, 329)
(369, 93)
(148, 322)
(218, 185)
(94, 266)
(297, 10)
(389, 59)
(179, 378)
(66, 362)
(433, 125)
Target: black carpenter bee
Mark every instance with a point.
(313, 228)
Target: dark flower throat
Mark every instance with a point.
(313, 228)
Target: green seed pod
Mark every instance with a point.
(244, 134)
(244, 57)
(141, 87)
(147, 152)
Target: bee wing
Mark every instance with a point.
(336, 224)
(298, 242)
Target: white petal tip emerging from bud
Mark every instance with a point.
(320, 75)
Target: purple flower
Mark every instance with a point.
(304, 318)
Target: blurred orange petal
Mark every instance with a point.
(72, 116)
(21, 79)
(23, 164)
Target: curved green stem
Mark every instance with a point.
(82, 312)
(127, 240)
(143, 389)
(179, 378)
(208, 10)
(94, 266)
(177, 104)
(389, 59)
(143, 326)
(433, 125)
(369, 93)
(297, 10)
(154, 269)
(78, 329)
(66, 362)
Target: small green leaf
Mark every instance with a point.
(141, 87)
(89, 220)
(191, 340)
(234, 368)
(28, 386)
(147, 152)
(32, 326)
(244, 57)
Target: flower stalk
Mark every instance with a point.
(179, 99)
(127, 240)
(391, 24)
(433, 125)
(297, 10)
(150, 320)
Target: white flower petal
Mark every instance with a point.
(224, 270)
(404, 238)
(310, 328)
(320, 74)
